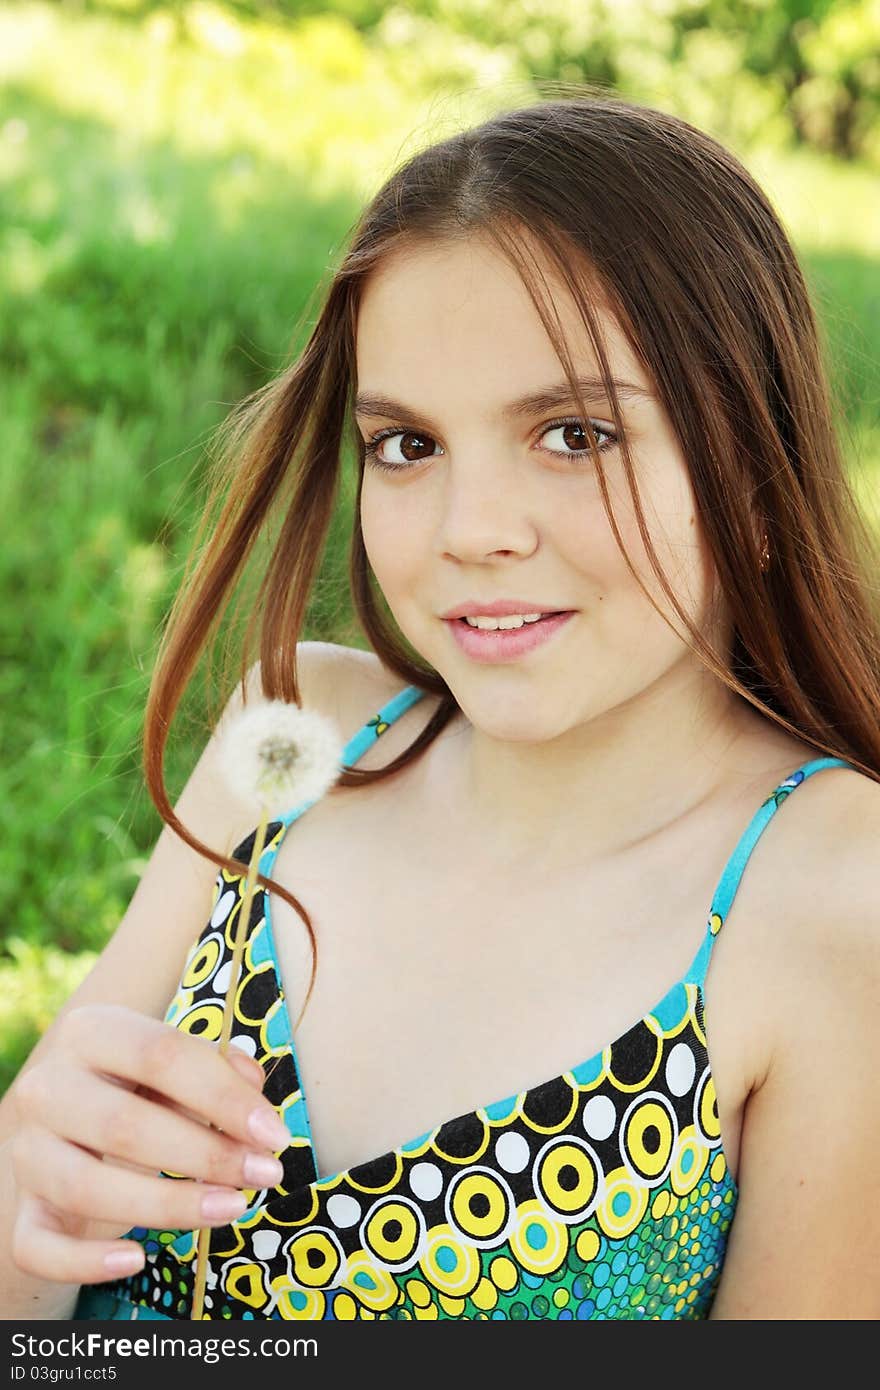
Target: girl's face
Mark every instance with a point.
(484, 501)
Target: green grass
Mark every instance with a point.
(168, 202)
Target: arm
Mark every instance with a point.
(140, 965)
(805, 1236)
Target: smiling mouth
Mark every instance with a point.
(505, 644)
(526, 623)
(554, 613)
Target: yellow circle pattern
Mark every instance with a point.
(537, 1242)
(315, 1258)
(566, 1176)
(707, 1109)
(647, 1137)
(623, 1204)
(449, 1264)
(479, 1205)
(689, 1163)
(392, 1232)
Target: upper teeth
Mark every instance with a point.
(511, 620)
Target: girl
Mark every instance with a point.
(584, 1040)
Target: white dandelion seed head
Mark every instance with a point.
(277, 756)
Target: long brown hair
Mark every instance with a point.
(643, 214)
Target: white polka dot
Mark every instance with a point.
(223, 908)
(680, 1069)
(343, 1210)
(426, 1180)
(265, 1244)
(600, 1117)
(222, 978)
(244, 1044)
(512, 1152)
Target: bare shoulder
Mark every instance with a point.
(343, 681)
(804, 908)
(350, 685)
(838, 856)
(819, 876)
(841, 936)
(807, 941)
(852, 824)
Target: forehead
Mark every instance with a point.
(458, 306)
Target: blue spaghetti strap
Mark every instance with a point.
(357, 745)
(725, 892)
(368, 733)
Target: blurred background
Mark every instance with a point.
(176, 182)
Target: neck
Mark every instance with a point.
(594, 788)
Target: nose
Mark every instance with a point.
(485, 509)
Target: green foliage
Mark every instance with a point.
(35, 980)
(753, 69)
(808, 69)
(174, 184)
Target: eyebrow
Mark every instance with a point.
(592, 389)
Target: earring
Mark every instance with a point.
(765, 553)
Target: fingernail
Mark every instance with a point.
(262, 1171)
(247, 1067)
(268, 1129)
(223, 1206)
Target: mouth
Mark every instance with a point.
(555, 613)
(506, 644)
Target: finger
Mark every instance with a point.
(76, 1184)
(124, 1125)
(158, 1099)
(189, 1070)
(41, 1247)
(247, 1067)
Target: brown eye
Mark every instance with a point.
(573, 433)
(413, 452)
(579, 432)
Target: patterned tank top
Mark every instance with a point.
(601, 1193)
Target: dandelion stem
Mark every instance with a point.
(240, 937)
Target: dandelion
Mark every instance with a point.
(276, 754)
(273, 755)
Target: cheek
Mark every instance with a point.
(683, 557)
(579, 530)
(391, 540)
(669, 508)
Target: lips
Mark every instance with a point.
(510, 644)
(543, 619)
(500, 608)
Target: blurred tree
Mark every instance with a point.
(824, 55)
(816, 61)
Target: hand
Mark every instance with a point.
(118, 1098)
